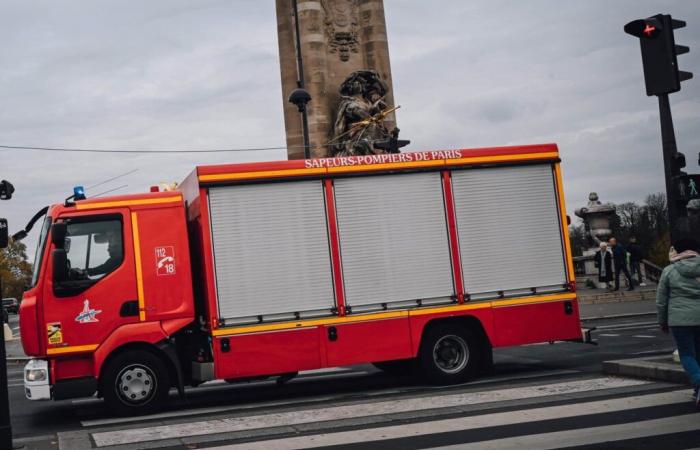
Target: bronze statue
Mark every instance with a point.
(359, 125)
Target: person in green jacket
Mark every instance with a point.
(678, 305)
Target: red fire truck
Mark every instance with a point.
(413, 262)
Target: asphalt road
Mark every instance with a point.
(617, 338)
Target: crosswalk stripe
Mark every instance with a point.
(240, 407)
(588, 436)
(366, 409)
(477, 422)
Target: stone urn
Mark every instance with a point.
(597, 218)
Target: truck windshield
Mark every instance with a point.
(39, 254)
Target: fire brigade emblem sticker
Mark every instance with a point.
(87, 315)
(165, 260)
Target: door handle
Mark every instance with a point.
(332, 334)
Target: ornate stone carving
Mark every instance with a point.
(341, 27)
(359, 125)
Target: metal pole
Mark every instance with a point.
(300, 82)
(668, 142)
(5, 424)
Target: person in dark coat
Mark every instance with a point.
(636, 257)
(620, 260)
(603, 261)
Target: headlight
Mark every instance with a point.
(35, 375)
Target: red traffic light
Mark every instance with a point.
(644, 28)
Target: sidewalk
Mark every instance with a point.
(14, 351)
(601, 310)
(662, 368)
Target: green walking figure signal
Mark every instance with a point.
(693, 187)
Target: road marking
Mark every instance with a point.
(656, 352)
(200, 411)
(608, 335)
(627, 326)
(645, 336)
(143, 434)
(239, 407)
(493, 420)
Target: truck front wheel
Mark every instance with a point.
(449, 354)
(135, 383)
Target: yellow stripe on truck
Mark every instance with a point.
(139, 271)
(392, 315)
(118, 203)
(71, 349)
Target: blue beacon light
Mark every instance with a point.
(79, 193)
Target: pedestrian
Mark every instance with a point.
(678, 304)
(620, 260)
(603, 261)
(636, 256)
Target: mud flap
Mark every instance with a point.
(168, 348)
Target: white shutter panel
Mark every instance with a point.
(509, 231)
(271, 249)
(393, 238)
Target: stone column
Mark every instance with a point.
(338, 37)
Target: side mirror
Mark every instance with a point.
(60, 266)
(4, 236)
(58, 234)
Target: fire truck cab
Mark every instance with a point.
(418, 262)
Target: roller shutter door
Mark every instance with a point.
(509, 231)
(271, 249)
(393, 238)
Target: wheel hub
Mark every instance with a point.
(451, 354)
(135, 384)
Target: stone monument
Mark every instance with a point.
(337, 38)
(597, 218)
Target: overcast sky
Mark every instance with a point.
(191, 74)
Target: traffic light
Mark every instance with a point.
(659, 52)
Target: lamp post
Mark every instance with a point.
(300, 96)
(6, 190)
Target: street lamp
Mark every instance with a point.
(6, 190)
(300, 97)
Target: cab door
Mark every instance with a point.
(99, 293)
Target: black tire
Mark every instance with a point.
(399, 367)
(135, 382)
(450, 354)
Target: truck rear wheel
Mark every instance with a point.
(135, 383)
(449, 354)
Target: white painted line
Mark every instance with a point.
(326, 370)
(621, 326)
(200, 428)
(608, 335)
(590, 436)
(202, 411)
(477, 422)
(198, 411)
(644, 336)
(545, 373)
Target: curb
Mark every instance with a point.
(17, 359)
(620, 316)
(591, 298)
(656, 368)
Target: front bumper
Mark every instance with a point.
(37, 389)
